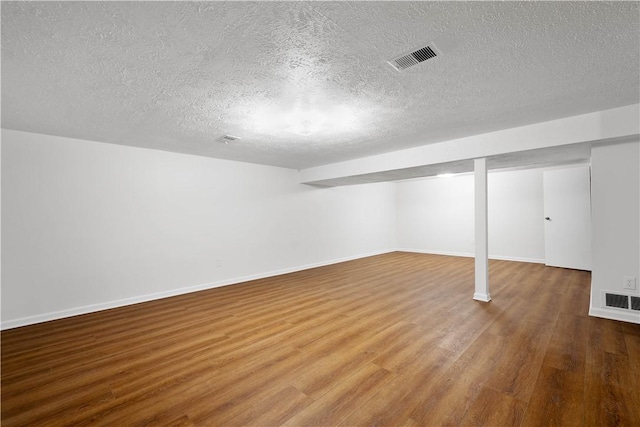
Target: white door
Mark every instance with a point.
(567, 222)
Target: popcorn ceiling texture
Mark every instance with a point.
(177, 75)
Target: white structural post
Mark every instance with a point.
(481, 233)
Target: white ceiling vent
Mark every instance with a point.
(414, 57)
(227, 139)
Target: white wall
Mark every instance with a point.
(436, 215)
(87, 225)
(615, 199)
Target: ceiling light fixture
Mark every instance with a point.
(225, 139)
(446, 175)
(318, 119)
(305, 123)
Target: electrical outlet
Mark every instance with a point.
(218, 263)
(629, 282)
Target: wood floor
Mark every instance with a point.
(390, 340)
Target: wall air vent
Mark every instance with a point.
(635, 303)
(227, 139)
(618, 301)
(415, 57)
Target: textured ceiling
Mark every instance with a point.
(176, 76)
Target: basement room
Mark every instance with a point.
(320, 213)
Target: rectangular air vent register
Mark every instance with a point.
(414, 57)
(621, 301)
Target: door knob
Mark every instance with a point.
(547, 218)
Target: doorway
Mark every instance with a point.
(567, 217)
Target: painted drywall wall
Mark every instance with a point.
(615, 211)
(436, 215)
(516, 215)
(0, 228)
(87, 226)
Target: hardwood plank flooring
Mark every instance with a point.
(389, 340)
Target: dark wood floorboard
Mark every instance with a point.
(389, 340)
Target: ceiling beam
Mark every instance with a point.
(608, 125)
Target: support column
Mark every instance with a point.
(481, 232)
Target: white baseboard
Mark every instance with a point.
(471, 255)
(30, 320)
(517, 259)
(623, 316)
(431, 252)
